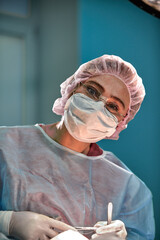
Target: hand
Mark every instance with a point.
(115, 231)
(34, 226)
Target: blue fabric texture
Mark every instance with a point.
(38, 174)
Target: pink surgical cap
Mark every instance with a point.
(112, 65)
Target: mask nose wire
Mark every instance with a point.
(104, 100)
(101, 98)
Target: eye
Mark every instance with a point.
(93, 92)
(113, 107)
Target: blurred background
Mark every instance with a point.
(42, 42)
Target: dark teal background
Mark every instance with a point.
(60, 35)
(120, 28)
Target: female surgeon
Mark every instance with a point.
(55, 177)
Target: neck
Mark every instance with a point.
(60, 134)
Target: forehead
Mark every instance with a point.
(112, 86)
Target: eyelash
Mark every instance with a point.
(113, 106)
(92, 91)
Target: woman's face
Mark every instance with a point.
(112, 90)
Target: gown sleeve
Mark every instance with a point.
(137, 211)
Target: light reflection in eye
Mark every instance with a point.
(109, 104)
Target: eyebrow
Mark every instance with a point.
(119, 100)
(102, 90)
(98, 85)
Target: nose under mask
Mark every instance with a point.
(88, 120)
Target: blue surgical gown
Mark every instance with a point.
(38, 174)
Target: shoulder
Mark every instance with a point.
(134, 184)
(10, 129)
(15, 133)
(112, 158)
(15, 129)
(136, 188)
(109, 162)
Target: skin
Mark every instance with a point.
(112, 86)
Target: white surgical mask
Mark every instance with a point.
(88, 120)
